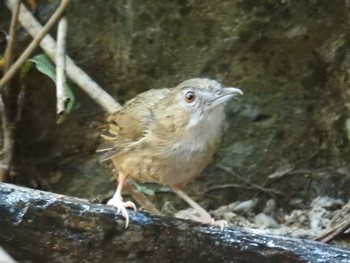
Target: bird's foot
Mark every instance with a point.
(192, 214)
(220, 223)
(207, 219)
(121, 208)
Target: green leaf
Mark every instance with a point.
(45, 66)
(144, 189)
(27, 66)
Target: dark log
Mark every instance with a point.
(37, 226)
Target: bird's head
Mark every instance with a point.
(202, 97)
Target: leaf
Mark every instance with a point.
(45, 66)
(2, 63)
(27, 66)
(144, 189)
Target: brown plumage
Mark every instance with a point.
(167, 136)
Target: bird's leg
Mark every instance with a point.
(140, 198)
(117, 200)
(205, 217)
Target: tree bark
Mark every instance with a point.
(39, 226)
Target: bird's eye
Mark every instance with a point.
(190, 97)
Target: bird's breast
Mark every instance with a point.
(177, 164)
(173, 158)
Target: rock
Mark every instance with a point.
(263, 221)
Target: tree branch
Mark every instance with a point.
(34, 44)
(39, 226)
(61, 94)
(76, 74)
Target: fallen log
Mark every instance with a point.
(37, 226)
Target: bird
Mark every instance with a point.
(167, 136)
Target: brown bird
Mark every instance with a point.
(167, 136)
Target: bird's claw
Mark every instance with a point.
(206, 218)
(211, 221)
(220, 223)
(121, 208)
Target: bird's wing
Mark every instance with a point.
(129, 124)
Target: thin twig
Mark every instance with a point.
(288, 170)
(333, 233)
(61, 93)
(8, 56)
(226, 186)
(7, 148)
(7, 126)
(141, 199)
(342, 223)
(35, 42)
(258, 187)
(76, 74)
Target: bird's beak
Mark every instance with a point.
(225, 95)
